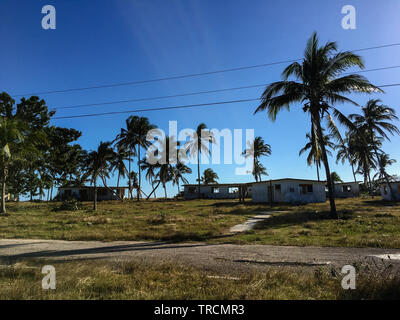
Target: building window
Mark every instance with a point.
(192, 189)
(306, 188)
(233, 189)
(346, 188)
(384, 190)
(214, 190)
(277, 187)
(291, 189)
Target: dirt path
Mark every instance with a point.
(218, 257)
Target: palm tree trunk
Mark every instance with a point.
(95, 195)
(370, 184)
(318, 172)
(51, 193)
(139, 190)
(165, 190)
(129, 175)
(354, 174)
(333, 212)
(154, 190)
(198, 170)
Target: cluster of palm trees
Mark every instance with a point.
(317, 84)
(131, 143)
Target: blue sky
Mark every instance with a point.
(106, 42)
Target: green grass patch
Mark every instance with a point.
(362, 223)
(139, 280)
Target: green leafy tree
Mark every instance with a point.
(375, 119)
(98, 164)
(314, 147)
(198, 144)
(257, 149)
(209, 176)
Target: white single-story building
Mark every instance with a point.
(86, 193)
(347, 189)
(385, 192)
(216, 191)
(289, 190)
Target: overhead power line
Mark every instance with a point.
(195, 93)
(187, 75)
(176, 107)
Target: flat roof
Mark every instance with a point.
(90, 187)
(289, 179)
(348, 182)
(219, 184)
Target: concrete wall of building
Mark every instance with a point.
(86, 194)
(289, 191)
(347, 190)
(210, 192)
(386, 193)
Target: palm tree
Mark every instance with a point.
(141, 126)
(361, 148)
(343, 154)
(320, 84)
(199, 144)
(165, 173)
(209, 176)
(178, 174)
(383, 162)
(258, 171)
(98, 165)
(118, 163)
(257, 149)
(126, 141)
(315, 154)
(335, 177)
(150, 171)
(375, 120)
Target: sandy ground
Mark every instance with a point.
(213, 257)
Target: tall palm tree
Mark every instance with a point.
(258, 171)
(178, 174)
(361, 148)
(257, 149)
(320, 84)
(209, 176)
(98, 165)
(165, 172)
(315, 150)
(375, 119)
(141, 126)
(335, 177)
(126, 140)
(383, 162)
(150, 171)
(197, 145)
(343, 154)
(118, 164)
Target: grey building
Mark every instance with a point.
(289, 190)
(216, 191)
(386, 193)
(86, 193)
(347, 189)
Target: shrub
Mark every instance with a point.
(70, 205)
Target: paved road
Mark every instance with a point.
(216, 257)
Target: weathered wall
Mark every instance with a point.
(354, 192)
(206, 192)
(290, 192)
(386, 193)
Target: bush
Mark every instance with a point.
(70, 205)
